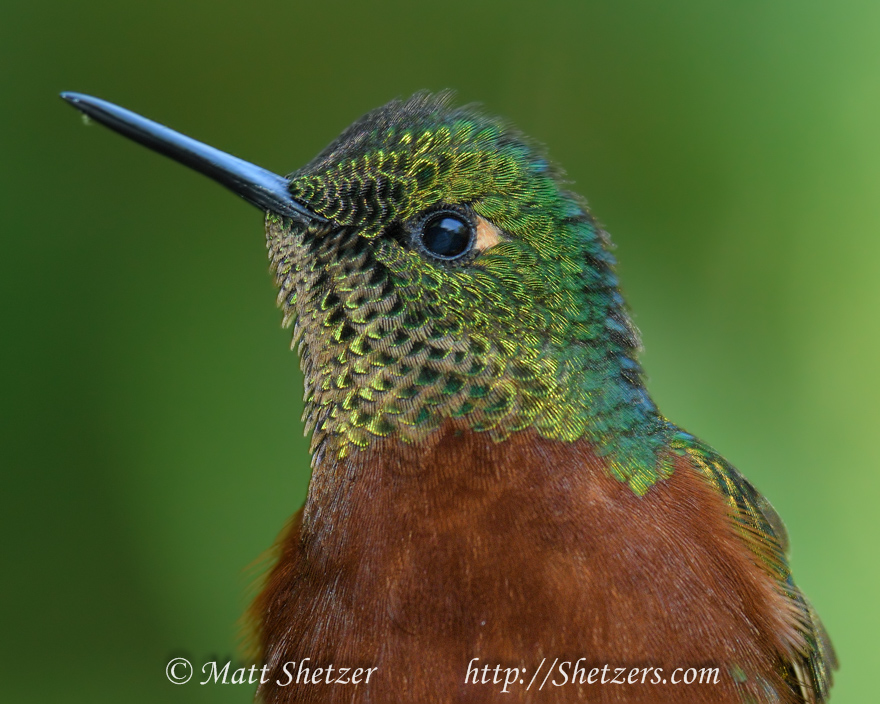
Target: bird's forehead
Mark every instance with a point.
(400, 126)
(410, 155)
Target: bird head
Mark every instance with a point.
(436, 268)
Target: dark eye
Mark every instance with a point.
(446, 235)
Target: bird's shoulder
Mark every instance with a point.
(807, 650)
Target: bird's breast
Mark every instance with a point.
(418, 558)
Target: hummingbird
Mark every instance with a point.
(497, 511)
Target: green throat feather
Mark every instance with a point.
(529, 333)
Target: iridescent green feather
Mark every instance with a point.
(531, 333)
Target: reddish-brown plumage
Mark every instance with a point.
(417, 558)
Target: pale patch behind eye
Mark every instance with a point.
(488, 235)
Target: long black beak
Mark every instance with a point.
(256, 185)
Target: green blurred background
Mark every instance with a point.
(151, 441)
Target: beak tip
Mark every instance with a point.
(71, 97)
